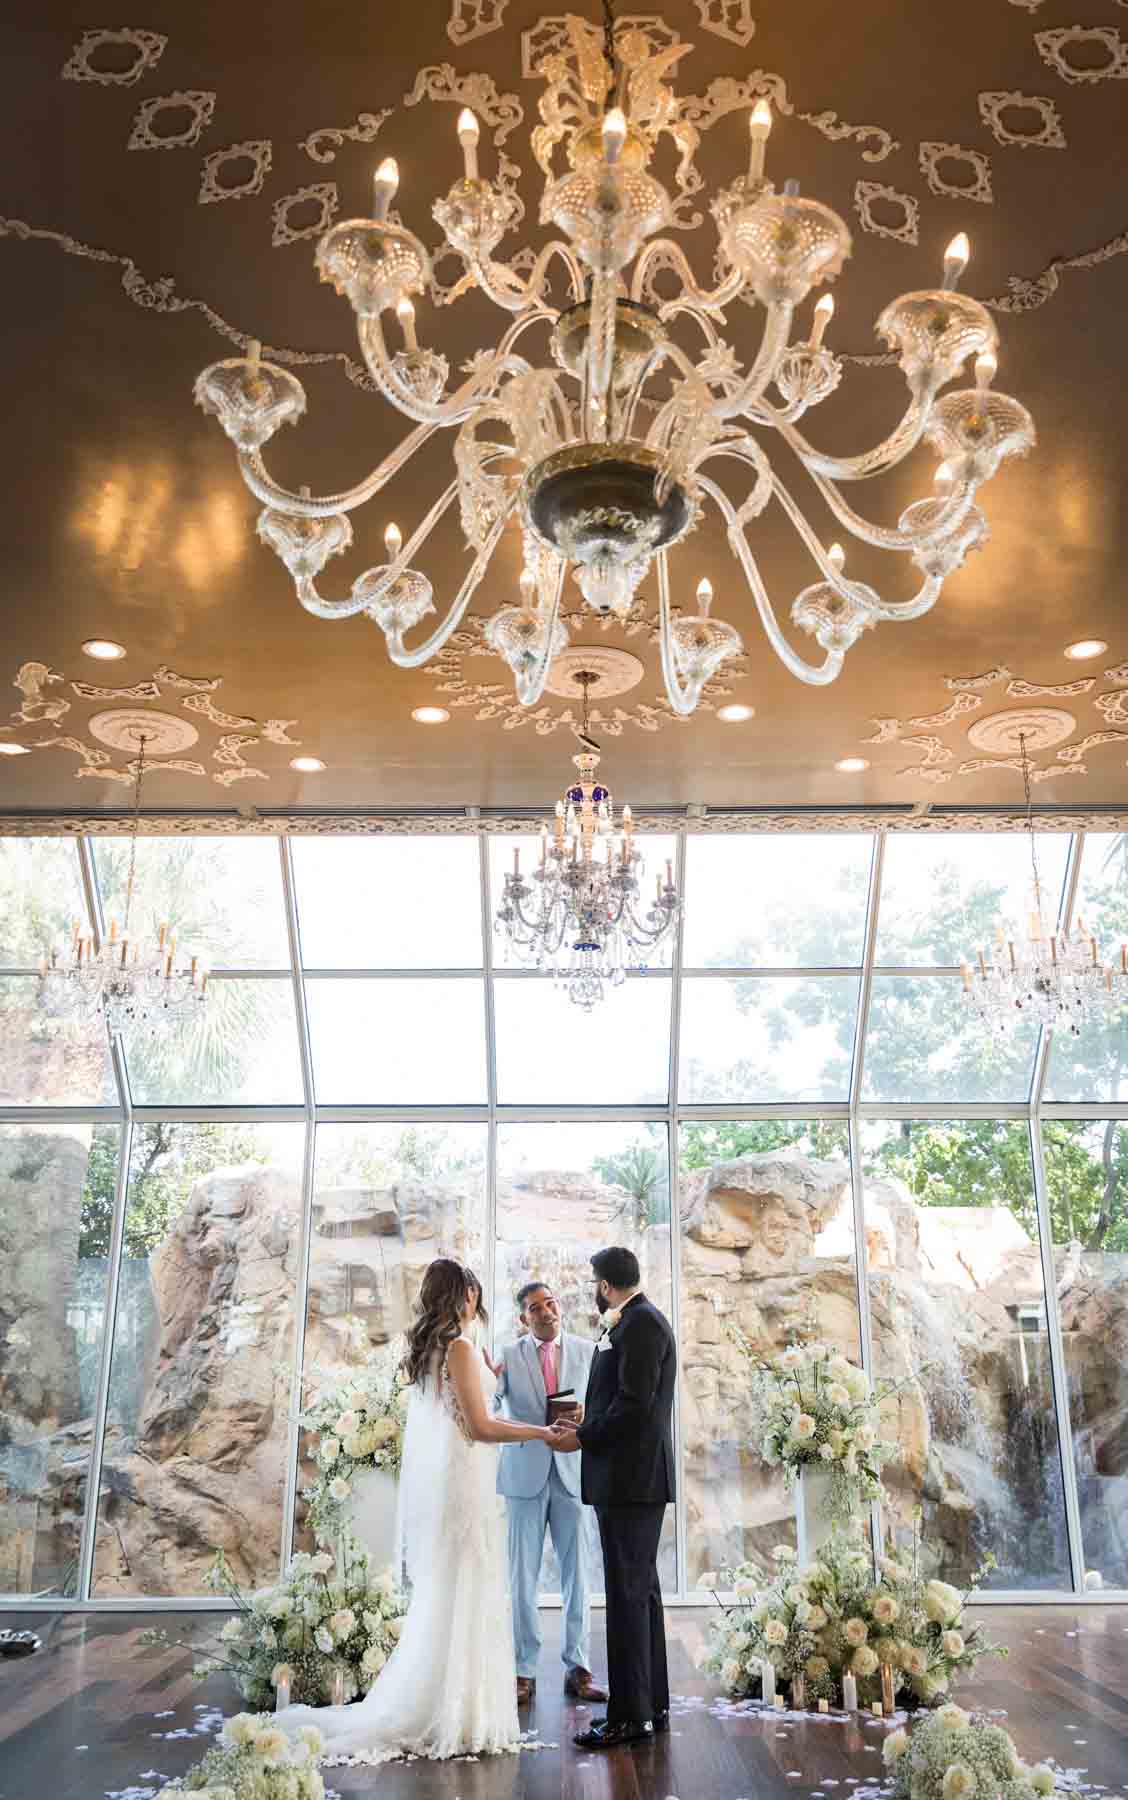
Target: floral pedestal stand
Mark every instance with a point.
(813, 1522)
(372, 1515)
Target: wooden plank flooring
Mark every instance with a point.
(1064, 1689)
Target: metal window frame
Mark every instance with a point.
(125, 1115)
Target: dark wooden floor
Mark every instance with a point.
(92, 1715)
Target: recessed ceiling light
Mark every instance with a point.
(306, 765)
(430, 715)
(1085, 647)
(104, 649)
(851, 765)
(735, 714)
(14, 750)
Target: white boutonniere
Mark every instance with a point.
(610, 1320)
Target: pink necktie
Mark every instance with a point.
(548, 1364)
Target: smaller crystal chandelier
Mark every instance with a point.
(130, 981)
(578, 916)
(1056, 978)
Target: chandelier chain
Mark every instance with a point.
(1024, 755)
(136, 826)
(609, 43)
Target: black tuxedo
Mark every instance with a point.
(627, 1474)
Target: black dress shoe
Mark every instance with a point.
(660, 1722)
(605, 1736)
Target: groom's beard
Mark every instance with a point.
(602, 1303)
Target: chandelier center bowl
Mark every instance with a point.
(597, 502)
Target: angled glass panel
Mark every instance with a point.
(958, 1316)
(1092, 1065)
(221, 896)
(56, 1205)
(943, 893)
(199, 1400)
(767, 1244)
(760, 899)
(563, 1192)
(389, 902)
(924, 1043)
(241, 1050)
(552, 1053)
(387, 1200)
(397, 1041)
(753, 1039)
(46, 1061)
(1087, 1183)
(41, 898)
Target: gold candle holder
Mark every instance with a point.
(887, 1686)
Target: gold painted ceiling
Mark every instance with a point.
(163, 188)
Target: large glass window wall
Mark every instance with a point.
(798, 1127)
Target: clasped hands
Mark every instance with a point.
(562, 1435)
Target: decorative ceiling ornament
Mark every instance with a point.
(1054, 46)
(474, 19)
(1113, 707)
(131, 979)
(322, 146)
(259, 153)
(729, 19)
(81, 65)
(866, 193)
(1047, 134)
(560, 444)
(140, 690)
(1022, 730)
(320, 194)
(1053, 976)
(578, 916)
(31, 679)
(888, 730)
(198, 105)
(966, 683)
(1034, 690)
(1120, 673)
(1074, 752)
(932, 156)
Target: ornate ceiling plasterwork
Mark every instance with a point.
(1054, 47)
(259, 153)
(474, 19)
(198, 105)
(729, 19)
(1048, 134)
(321, 146)
(239, 732)
(83, 63)
(867, 192)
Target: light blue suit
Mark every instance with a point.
(542, 1490)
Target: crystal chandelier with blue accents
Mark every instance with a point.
(580, 914)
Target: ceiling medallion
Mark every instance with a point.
(579, 914)
(128, 728)
(610, 672)
(560, 436)
(1052, 976)
(131, 978)
(1038, 727)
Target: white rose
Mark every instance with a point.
(324, 1640)
(837, 1394)
(783, 1553)
(373, 1660)
(281, 1672)
(855, 1631)
(959, 1782)
(342, 1622)
(803, 1612)
(913, 1661)
(730, 1673)
(1042, 1778)
(354, 1445)
(232, 1629)
(803, 1428)
(864, 1436)
(346, 1424)
(895, 1746)
(953, 1716)
(884, 1608)
(321, 1563)
(790, 1358)
(816, 1618)
(339, 1488)
(384, 1430)
(775, 1632)
(863, 1661)
(941, 1602)
(953, 1643)
(281, 1606)
(394, 1627)
(330, 1449)
(708, 1580)
(826, 1452)
(272, 1745)
(838, 1368)
(745, 1587)
(242, 1729)
(312, 1739)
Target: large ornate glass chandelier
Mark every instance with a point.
(603, 441)
(579, 914)
(1052, 975)
(130, 979)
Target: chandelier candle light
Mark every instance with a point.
(605, 469)
(1055, 976)
(131, 980)
(577, 916)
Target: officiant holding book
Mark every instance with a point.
(543, 1377)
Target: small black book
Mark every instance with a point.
(563, 1405)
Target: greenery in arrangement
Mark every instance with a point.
(359, 1423)
(255, 1760)
(810, 1408)
(326, 1613)
(954, 1755)
(833, 1617)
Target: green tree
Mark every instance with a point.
(641, 1171)
(166, 1159)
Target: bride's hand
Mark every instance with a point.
(494, 1368)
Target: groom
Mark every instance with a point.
(627, 1474)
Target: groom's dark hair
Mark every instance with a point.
(617, 1266)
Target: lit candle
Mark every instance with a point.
(876, 1709)
(124, 951)
(113, 931)
(384, 185)
(669, 874)
(543, 843)
(516, 859)
(657, 887)
(254, 355)
(204, 982)
(614, 134)
(1124, 959)
(468, 138)
(195, 961)
(836, 557)
(986, 364)
(161, 935)
(966, 973)
(955, 260)
(337, 1688)
(704, 596)
(77, 932)
(824, 313)
(824, 1706)
(767, 1683)
(559, 821)
(168, 966)
(849, 1693)
(393, 541)
(943, 481)
(759, 125)
(778, 1702)
(405, 313)
(282, 1693)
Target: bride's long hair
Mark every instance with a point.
(443, 1297)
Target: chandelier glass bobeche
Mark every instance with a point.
(1053, 975)
(580, 915)
(130, 978)
(599, 424)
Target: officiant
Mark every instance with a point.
(542, 1490)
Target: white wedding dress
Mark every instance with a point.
(449, 1687)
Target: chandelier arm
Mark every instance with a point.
(682, 699)
(922, 601)
(711, 301)
(815, 675)
(320, 506)
(490, 275)
(460, 405)
(414, 659)
(777, 330)
(601, 353)
(305, 586)
(530, 689)
(884, 456)
(628, 407)
(950, 515)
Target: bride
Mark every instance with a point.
(449, 1687)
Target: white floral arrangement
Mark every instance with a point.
(833, 1618)
(952, 1755)
(359, 1424)
(255, 1760)
(813, 1408)
(326, 1614)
